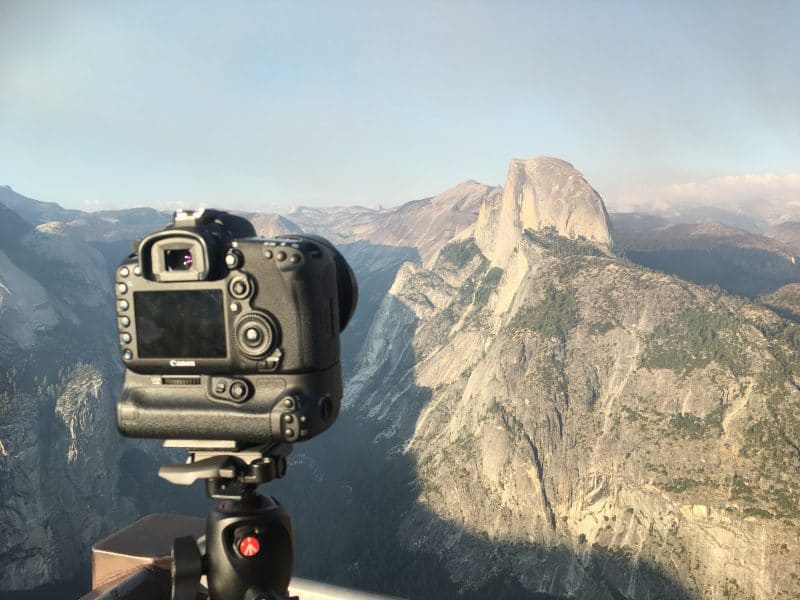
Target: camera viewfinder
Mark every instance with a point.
(178, 260)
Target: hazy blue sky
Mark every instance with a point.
(257, 104)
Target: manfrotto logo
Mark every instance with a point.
(181, 363)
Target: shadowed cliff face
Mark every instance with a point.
(58, 442)
(742, 271)
(607, 413)
(787, 233)
(710, 254)
(785, 301)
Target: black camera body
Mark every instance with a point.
(229, 336)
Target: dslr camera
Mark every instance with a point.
(229, 336)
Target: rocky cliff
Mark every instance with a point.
(540, 193)
(580, 426)
(66, 475)
(59, 447)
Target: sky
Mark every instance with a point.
(260, 105)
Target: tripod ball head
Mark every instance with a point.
(249, 549)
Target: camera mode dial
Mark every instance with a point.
(254, 334)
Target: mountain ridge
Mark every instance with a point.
(515, 391)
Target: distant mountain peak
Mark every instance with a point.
(272, 225)
(468, 184)
(539, 193)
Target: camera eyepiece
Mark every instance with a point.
(178, 260)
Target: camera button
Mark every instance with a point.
(124, 272)
(122, 288)
(137, 270)
(249, 546)
(127, 354)
(240, 287)
(288, 418)
(124, 321)
(221, 387)
(233, 259)
(267, 253)
(238, 391)
(126, 338)
(235, 307)
(281, 255)
(123, 305)
(295, 258)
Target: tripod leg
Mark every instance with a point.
(187, 567)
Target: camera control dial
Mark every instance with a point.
(254, 334)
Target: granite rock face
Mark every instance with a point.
(538, 194)
(580, 425)
(59, 448)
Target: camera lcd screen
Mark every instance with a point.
(180, 324)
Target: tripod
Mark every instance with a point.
(247, 550)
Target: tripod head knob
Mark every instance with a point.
(187, 567)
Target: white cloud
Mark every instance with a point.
(766, 186)
(767, 195)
